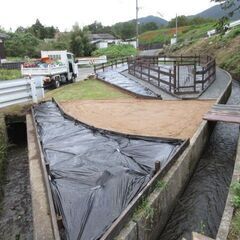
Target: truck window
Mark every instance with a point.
(69, 56)
(55, 57)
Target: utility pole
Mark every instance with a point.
(176, 28)
(137, 29)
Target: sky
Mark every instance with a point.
(63, 14)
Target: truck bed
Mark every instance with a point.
(49, 71)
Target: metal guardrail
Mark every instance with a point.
(20, 91)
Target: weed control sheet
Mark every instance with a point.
(94, 174)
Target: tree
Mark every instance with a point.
(79, 41)
(231, 7)
(21, 45)
(37, 29)
(181, 20)
(150, 26)
(125, 30)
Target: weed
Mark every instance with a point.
(160, 185)
(145, 210)
(235, 188)
(202, 227)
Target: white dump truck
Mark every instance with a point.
(55, 67)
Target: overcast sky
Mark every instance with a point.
(63, 14)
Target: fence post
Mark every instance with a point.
(159, 76)
(33, 90)
(195, 76)
(203, 70)
(175, 76)
(170, 80)
(149, 72)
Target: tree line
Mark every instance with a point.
(30, 41)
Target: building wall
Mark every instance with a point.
(2, 51)
(103, 44)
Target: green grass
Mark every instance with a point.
(9, 74)
(90, 89)
(235, 225)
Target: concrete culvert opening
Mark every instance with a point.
(16, 130)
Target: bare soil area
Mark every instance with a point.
(170, 119)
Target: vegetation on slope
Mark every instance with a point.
(225, 48)
(164, 35)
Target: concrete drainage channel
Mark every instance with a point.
(16, 212)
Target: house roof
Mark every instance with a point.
(3, 36)
(101, 36)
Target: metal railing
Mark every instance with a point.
(111, 63)
(175, 74)
(20, 91)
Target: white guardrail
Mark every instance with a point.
(92, 60)
(21, 90)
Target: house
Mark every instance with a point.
(103, 40)
(3, 36)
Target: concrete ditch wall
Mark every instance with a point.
(42, 223)
(150, 219)
(227, 217)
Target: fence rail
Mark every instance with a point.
(20, 91)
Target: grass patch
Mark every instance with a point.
(235, 225)
(90, 89)
(144, 210)
(6, 74)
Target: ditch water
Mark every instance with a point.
(15, 208)
(201, 206)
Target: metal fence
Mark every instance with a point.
(175, 74)
(11, 65)
(21, 90)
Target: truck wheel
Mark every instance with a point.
(74, 79)
(56, 83)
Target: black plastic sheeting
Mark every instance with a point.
(94, 174)
(201, 206)
(115, 77)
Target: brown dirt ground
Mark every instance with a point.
(169, 119)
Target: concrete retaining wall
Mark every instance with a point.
(150, 219)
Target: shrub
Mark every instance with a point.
(6, 74)
(116, 51)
